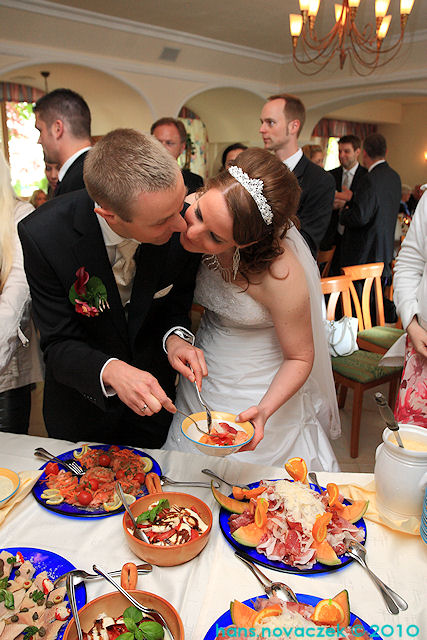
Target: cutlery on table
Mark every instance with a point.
(279, 589)
(138, 533)
(84, 575)
(388, 417)
(72, 598)
(210, 473)
(164, 481)
(70, 465)
(393, 601)
(313, 478)
(147, 610)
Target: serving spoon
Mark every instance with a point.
(388, 417)
(205, 433)
(210, 473)
(393, 601)
(137, 532)
(279, 589)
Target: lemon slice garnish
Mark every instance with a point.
(78, 454)
(130, 499)
(55, 500)
(50, 493)
(148, 464)
(113, 505)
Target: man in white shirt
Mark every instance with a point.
(282, 119)
(63, 120)
(111, 285)
(347, 178)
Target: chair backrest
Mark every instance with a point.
(324, 260)
(336, 287)
(370, 274)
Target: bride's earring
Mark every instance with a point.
(236, 262)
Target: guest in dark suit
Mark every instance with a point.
(347, 179)
(108, 377)
(173, 136)
(63, 120)
(370, 216)
(282, 119)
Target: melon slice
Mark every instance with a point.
(325, 554)
(241, 614)
(342, 599)
(353, 512)
(249, 535)
(230, 504)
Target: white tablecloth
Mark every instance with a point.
(202, 589)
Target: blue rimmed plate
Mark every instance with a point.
(261, 559)
(225, 620)
(55, 565)
(9, 484)
(69, 510)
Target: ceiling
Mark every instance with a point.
(261, 24)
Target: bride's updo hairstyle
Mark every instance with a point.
(282, 193)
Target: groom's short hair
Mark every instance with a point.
(125, 163)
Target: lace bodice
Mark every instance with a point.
(233, 306)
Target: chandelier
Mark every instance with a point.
(363, 48)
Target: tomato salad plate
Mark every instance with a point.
(260, 617)
(31, 601)
(289, 526)
(94, 494)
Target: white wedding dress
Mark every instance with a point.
(243, 353)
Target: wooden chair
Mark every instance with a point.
(360, 371)
(378, 338)
(324, 260)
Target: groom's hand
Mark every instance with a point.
(136, 388)
(255, 415)
(186, 359)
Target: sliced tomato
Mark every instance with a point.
(140, 477)
(228, 427)
(92, 484)
(114, 448)
(120, 474)
(51, 469)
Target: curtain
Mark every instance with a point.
(328, 128)
(12, 92)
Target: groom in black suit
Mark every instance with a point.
(63, 120)
(108, 377)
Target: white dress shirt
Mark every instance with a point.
(67, 164)
(293, 160)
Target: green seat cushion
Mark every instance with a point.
(381, 336)
(362, 366)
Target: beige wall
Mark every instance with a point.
(407, 143)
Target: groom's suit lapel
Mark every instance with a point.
(150, 264)
(92, 255)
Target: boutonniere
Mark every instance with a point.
(88, 295)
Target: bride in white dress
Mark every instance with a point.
(262, 331)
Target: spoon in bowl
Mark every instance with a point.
(205, 433)
(388, 417)
(279, 589)
(138, 533)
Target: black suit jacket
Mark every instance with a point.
(64, 236)
(192, 181)
(370, 219)
(330, 237)
(315, 207)
(73, 179)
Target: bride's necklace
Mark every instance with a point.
(228, 274)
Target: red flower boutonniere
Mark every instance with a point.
(88, 295)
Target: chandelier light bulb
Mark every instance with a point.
(382, 31)
(339, 13)
(406, 7)
(295, 23)
(304, 5)
(313, 7)
(353, 4)
(381, 8)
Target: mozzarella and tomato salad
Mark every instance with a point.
(30, 605)
(96, 488)
(166, 525)
(133, 623)
(223, 434)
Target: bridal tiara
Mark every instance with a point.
(254, 186)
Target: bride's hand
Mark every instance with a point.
(186, 359)
(257, 416)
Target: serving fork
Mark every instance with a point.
(73, 604)
(70, 465)
(147, 610)
(279, 589)
(84, 575)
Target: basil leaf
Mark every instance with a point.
(152, 630)
(11, 560)
(7, 598)
(36, 595)
(133, 614)
(139, 635)
(3, 582)
(125, 636)
(30, 631)
(152, 513)
(130, 624)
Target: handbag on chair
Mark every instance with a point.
(342, 336)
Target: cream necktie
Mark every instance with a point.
(345, 185)
(124, 268)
